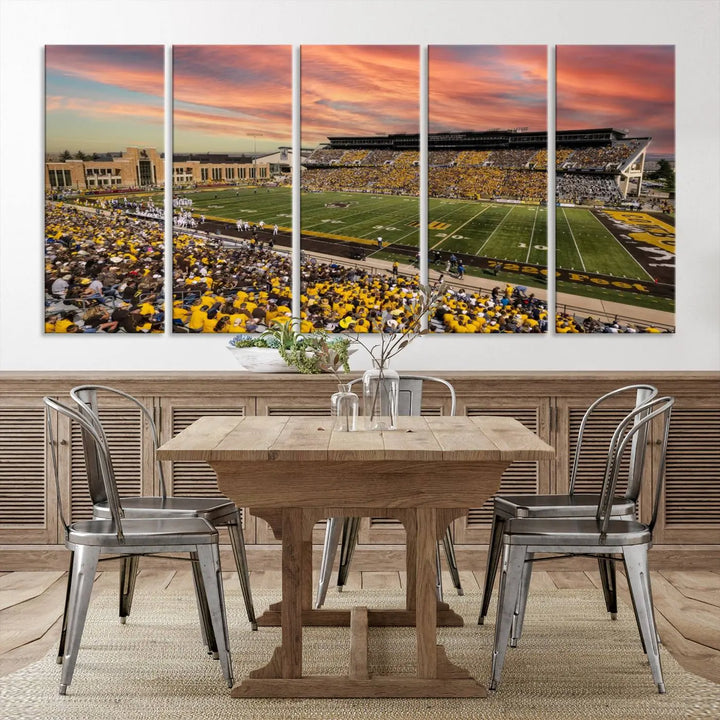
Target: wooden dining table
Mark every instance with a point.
(294, 471)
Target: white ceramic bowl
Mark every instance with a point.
(261, 360)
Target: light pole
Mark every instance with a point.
(255, 136)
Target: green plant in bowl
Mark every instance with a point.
(310, 354)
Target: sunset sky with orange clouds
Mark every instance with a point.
(479, 87)
(359, 90)
(232, 98)
(236, 98)
(102, 98)
(628, 87)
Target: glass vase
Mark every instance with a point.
(381, 388)
(344, 408)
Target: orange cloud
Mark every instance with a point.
(233, 90)
(186, 121)
(477, 87)
(621, 86)
(101, 110)
(138, 68)
(359, 90)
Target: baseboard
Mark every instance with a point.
(369, 558)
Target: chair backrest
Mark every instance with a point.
(86, 397)
(100, 452)
(410, 393)
(635, 423)
(643, 393)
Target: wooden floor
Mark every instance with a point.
(687, 605)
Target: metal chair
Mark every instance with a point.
(344, 530)
(123, 537)
(572, 504)
(603, 536)
(218, 511)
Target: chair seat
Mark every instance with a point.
(575, 532)
(554, 506)
(145, 506)
(143, 531)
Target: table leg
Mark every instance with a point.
(292, 584)
(436, 676)
(425, 597)
(286, 661)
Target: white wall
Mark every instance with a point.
(693, 26)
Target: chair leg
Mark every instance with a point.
(209, 560)
(128, 575)
(206, 629)
(636, 568)
(449, 547)
(519, 616)
(237, 543)
(607, 578)
(351, 527)
(491, 567)
(81, 582)
(63, 631)
(333, 529)
(510, 579)
(438, 574)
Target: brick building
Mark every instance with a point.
(145, 167)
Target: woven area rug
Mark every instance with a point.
(573, 662)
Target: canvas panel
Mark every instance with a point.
(360, 188)
(104, 131)
(232, 205)
(487, 186)
(615, 189)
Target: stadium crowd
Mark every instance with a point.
(474, 183)
(579, 189)
(103, 270)
(396, 180)
(515, 174)
(567, 323)
(104, 273)
(245, 287)
(605, 157)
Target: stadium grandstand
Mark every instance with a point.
(596, 166)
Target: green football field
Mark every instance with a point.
(584, 243)
(512, 232)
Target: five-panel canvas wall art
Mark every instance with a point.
(496, 189)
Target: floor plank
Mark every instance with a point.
(150, 580)
(698, 585)
(265, 579)
(182, 582)
(695, 620)
(570, 580)
(29, 653)
(20, 586)
(354, 581)
(30, 620)
(468, 581)
(541, 580)
(381, 581)
(695, 658)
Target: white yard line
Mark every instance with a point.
(649, 276)
(413, 232)
(497, 227)
(532, 235)
(572, 235)
(460, 227)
